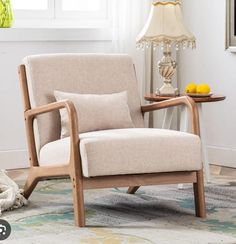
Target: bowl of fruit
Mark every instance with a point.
(202, 90)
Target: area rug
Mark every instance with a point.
(156, 214)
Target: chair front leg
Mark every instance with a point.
(199, 195)
(77, 182)
(78, 199)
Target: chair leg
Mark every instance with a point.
(78, 197)
(30, 184)
(199, 195)
(132, 189)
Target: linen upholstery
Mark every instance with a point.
(129, 151)
(96, 112)
(78, 73)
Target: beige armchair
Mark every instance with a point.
(128, 157)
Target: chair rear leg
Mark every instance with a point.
(132, 189)
(199, 195)
(78, 197)
(30, 184)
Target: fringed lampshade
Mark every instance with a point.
(165, 28)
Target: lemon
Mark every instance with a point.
(191, 88)
(203, 89)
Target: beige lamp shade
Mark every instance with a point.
(165, 25)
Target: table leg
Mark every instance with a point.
(204, 146)
(168, 116)
(183, 127)
(184, 119)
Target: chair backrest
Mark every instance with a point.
(78, 73)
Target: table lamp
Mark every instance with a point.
(165, 28)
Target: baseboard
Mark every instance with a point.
(13, 159)
(222, 156)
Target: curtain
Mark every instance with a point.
(129, 17)
(152, 80)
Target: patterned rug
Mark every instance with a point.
(156, 214)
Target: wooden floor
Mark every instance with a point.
(222, 174)
(217, 170)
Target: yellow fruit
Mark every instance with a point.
(191, 88)
(203, 89)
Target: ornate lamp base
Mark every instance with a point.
(167, 90)
(167, 68)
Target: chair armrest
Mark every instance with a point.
(68, 105)
(74, 136)
(184, 100)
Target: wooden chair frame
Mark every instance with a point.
(74, 169)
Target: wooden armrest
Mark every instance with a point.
(73, 123)
(51, 107)
(68, 105)
(184, 100)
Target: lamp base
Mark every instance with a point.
(167, 90)
(167, 67)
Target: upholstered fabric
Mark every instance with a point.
(78, 73)
(129, 151)
(96, 112)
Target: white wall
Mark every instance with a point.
(12, 134)
(211, 64)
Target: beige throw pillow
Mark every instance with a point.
(96, 112)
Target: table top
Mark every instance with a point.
(156, 98)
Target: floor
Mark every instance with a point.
(156, 214)
(222, 174)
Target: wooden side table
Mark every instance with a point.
(184, 121)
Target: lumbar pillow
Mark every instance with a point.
(96, 112)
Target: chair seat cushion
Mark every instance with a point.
(129, 151)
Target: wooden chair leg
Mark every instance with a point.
(199, 195)
(132, 189)
(78, 197)
(30, 184)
